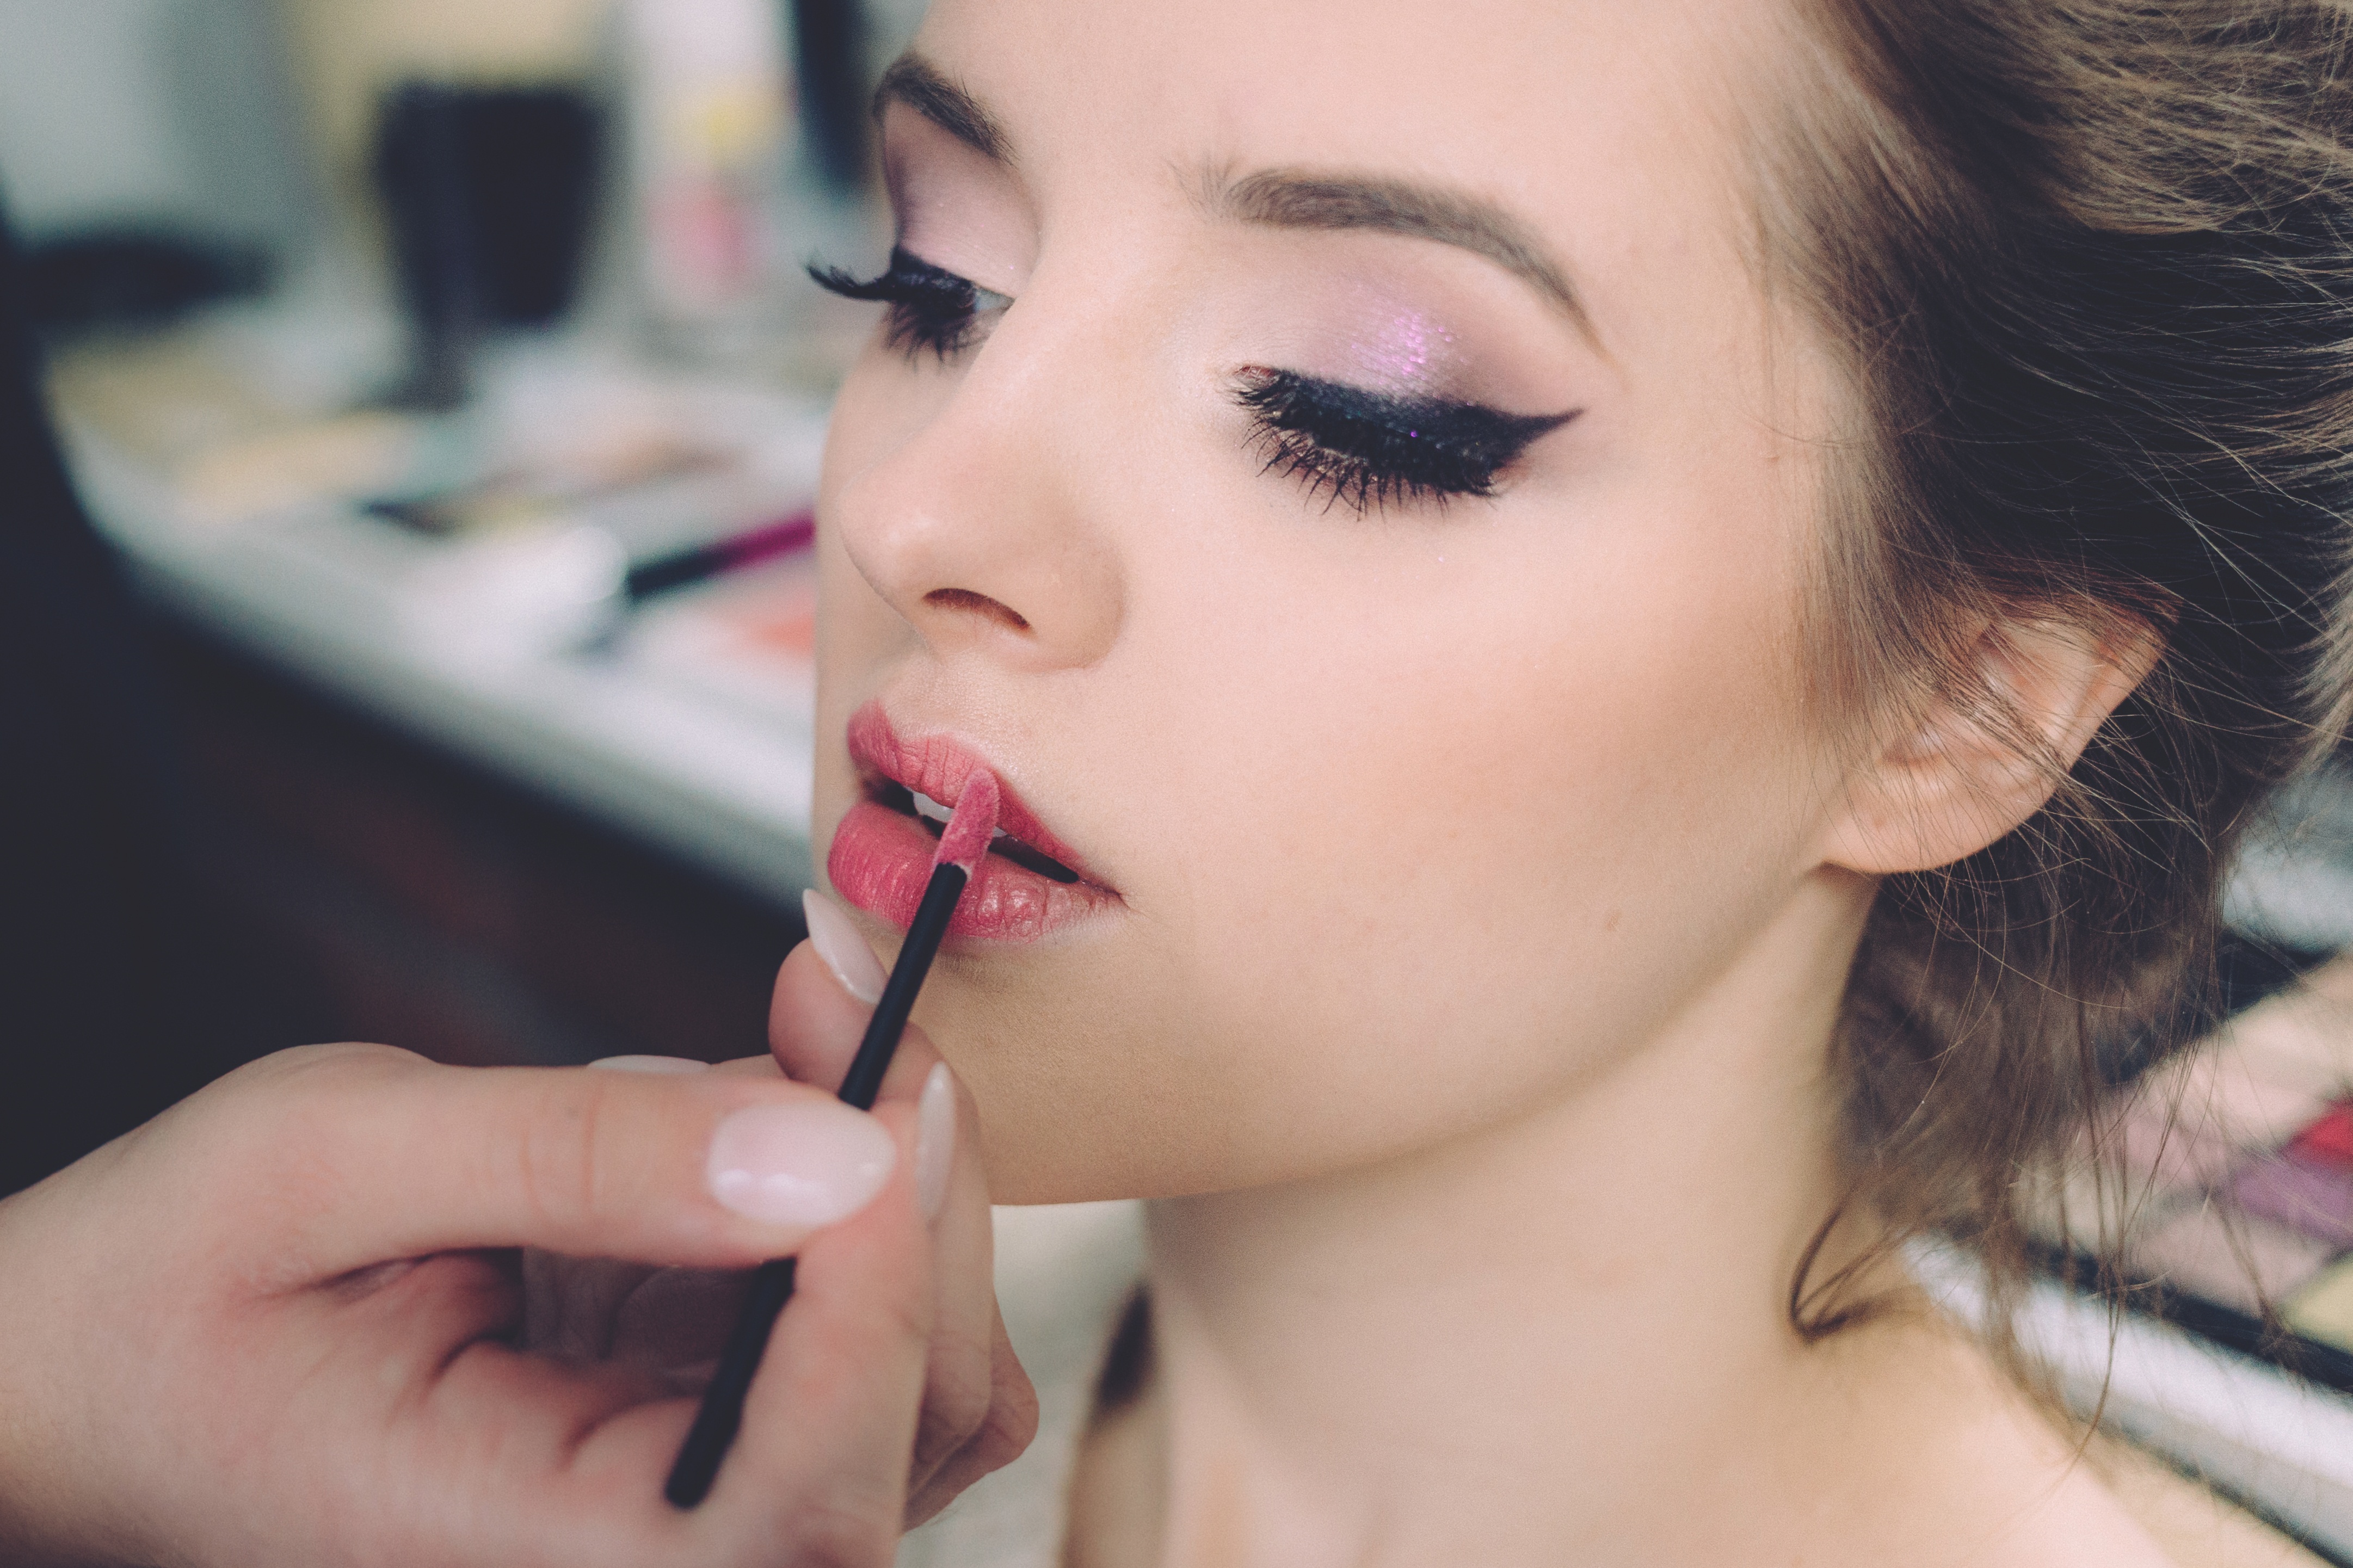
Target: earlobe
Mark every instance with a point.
(1991, 750)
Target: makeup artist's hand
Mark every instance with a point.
(978, 1410)
(285, 1323)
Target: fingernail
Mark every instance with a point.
(844, 950)
(651, 1064)
(807, 1163)
(936, 1122)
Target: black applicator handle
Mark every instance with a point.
(863, 1081)
(722, 1414)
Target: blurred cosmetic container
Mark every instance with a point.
(489, 192)
(711, 121)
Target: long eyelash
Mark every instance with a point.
(1368, 449)
(931, 309)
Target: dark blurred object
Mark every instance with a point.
(130, 279)
(116, 994)
(829, 37)
(202, 861)
(431, 905)
(489, 193)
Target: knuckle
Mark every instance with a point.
(301, 1083)
(560, 1176)
(275, 1139)
(956, 1409)
(1009, 1426)
(841, 1530)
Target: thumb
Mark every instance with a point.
(824, 999)
(710, 1170)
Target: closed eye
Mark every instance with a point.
(932, 310)
(1366, 450)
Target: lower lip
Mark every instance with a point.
(882, 861)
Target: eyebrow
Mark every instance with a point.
(1285, 198)
(1290, 198)
(924, 88)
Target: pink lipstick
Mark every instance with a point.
(964, 845)
(1028, 884)
(965, 839)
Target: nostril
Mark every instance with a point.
(966, 601)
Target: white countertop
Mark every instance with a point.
(312, 589)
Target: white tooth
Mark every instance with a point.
(927, 807)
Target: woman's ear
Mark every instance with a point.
(1985, 758)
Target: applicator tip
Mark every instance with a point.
(971, 826)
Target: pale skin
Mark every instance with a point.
(1477, 862)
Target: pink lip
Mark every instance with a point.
(881, 861)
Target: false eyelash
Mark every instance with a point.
(1368, 449)
(930, 307)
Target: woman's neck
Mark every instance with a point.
(1565, 1338)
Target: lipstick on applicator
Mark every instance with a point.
(965, 840)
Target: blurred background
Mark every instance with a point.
(443, 393)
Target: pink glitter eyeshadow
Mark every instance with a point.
(1407, 351)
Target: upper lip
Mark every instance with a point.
(938, 765)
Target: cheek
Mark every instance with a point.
(1476, 826)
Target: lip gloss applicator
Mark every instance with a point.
(965, 840)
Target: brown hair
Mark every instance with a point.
(2087, 267)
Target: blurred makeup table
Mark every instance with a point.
(486, 606)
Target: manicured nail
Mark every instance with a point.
(651, 1064)
(935, 1119)
(844, 950)
(803, 1165)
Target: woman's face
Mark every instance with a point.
(1367, 548)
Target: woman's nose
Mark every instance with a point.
(977, 530)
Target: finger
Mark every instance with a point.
(970, 1436)
(819, 1009)
(814, 1026)
(829, 1424)
(531, 1461)
(979, 1410)
(672, 1067)
(835, 934)
(559, 1463)
(1004, 1435)
(709, 1170)
(761, 1066)
(961, 1392)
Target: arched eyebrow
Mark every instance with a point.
(1292, 198)
(1286, 198)
(930, 92)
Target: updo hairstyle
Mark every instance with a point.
(2087, 270)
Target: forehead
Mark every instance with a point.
(1611, 127)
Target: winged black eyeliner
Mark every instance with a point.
(1370, 448)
